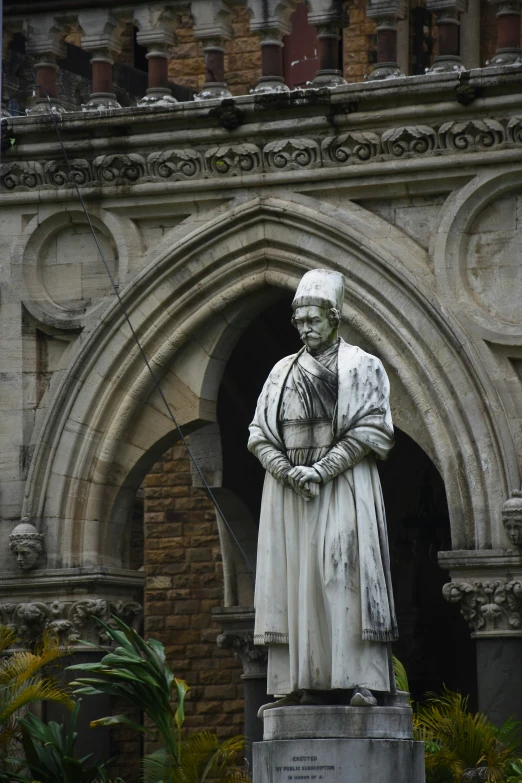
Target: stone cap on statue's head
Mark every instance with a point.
(322, 288)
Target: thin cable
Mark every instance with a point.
(136, 338)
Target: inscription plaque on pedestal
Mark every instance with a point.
(339, 761)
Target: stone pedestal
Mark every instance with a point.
(338, 744)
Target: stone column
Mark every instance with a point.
(212, 26)
(487, 587)
(270, 19)
(156, 32)
(387, 16)
(45, 41)
(448, 13)
(237, 623)
(101, 32)
(329, 20)
(508, 33)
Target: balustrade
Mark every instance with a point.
(100, 32)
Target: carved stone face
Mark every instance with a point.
(25, 556)
(513, 527)
(314, 327)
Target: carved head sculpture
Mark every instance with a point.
(26, 544)
(512, 517)
(317, 307)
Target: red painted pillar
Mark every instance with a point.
(272, 79)
(214, 86)
(386, 66)
(329, 73)
(158, 91)
(508, 33)
(448, 24)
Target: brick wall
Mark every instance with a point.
(359, 42)
(184, 583)
(242, 56)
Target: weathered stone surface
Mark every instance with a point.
(301, 722)
(339, 760)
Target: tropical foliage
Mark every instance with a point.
(136, 671)
(461, 746)
(50, 755)
(25, 679)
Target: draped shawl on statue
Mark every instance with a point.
(363, 413)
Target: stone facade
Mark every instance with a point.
(207, 213)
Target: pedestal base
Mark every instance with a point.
(339, 761)
(338, 744)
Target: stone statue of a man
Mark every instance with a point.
(323, 596)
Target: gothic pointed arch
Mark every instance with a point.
(106, 425)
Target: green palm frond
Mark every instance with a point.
(401, 677)
(458, 741)
(7, 638)
(14, 698)
(137, 671)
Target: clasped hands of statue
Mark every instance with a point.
(304, 481)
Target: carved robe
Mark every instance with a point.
(323, 589)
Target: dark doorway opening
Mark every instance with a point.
(434, 645)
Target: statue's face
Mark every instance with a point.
(26, 556)
(314, 328)
(513, 526)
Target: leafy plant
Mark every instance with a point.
(136, 670)
(50, 755)
(401, 677)
(24, 680)
(463, 746)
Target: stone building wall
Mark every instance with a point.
(184, 582)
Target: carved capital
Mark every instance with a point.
(155, 26)
(491, 608)
(73, 621)
(386, 12)
(253, 657)
(503, 7)
(447, 9)
(271, 16)
(101, 32)
(212, 19)
(45, 37)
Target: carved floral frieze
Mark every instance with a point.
(490, 607)
(234, 159)
(73, 621)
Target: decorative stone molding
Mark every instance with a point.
(491, 608)
(73, 621)
(234, 159)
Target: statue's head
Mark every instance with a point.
(317, 307)
(512, 517)
(26, 544)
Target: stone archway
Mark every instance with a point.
(105, 424)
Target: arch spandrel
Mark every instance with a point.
(189, 306)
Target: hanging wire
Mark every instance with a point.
(135, 336)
